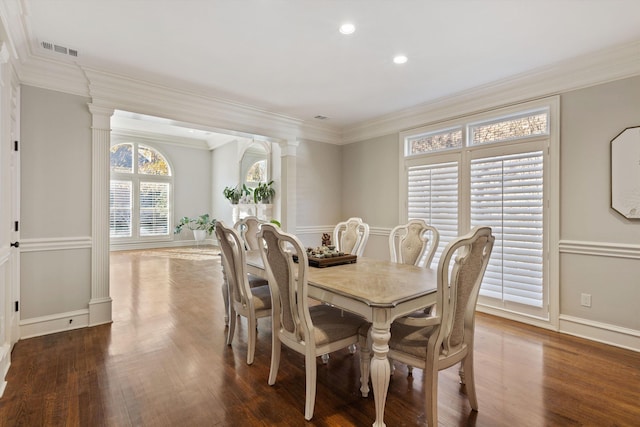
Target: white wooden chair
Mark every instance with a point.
(446, 337)
(248, 227)
(409, 242)
(252, 302)
(311, 331)
(351, 236)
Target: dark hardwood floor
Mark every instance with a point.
(164, 362)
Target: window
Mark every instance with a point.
(140, 192)
(488, 170)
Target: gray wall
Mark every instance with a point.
(55, 202)
(590, 119)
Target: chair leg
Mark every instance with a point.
(431, 388)
(469, 380)
(251, 344)
(225, 299)
(233, 319)
(275, 358)
(311, 373)
(365, 366)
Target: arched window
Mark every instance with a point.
(140, 192)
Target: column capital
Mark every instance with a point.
(101, 116)
(288, 147)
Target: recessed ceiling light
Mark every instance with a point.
(347, 28)
(400, 59)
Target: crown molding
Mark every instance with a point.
(125, 93)
(53, 75)
(607, 65)
(124, 135)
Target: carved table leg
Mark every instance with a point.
(380, 369)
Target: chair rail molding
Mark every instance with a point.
(607, 249)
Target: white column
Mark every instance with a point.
(100, 303)
(288, 191)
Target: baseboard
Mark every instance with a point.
(600, 332)
(5, 363)
(159, 244)
(60, 322)
(99, 311)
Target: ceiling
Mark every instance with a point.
(288, 57)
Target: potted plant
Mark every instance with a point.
(264, 192)
(201, 226)
(234, 194)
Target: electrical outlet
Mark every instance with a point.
(585, 300)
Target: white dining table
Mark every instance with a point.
(379, 291)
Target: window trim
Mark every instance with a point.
(136, 178)
(551, 187)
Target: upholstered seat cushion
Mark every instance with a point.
(410, 339)
(255, 281)
(261, 297)
(332, 324)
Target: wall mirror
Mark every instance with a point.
(254, 164)
(625, 173)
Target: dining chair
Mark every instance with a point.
(408, 243)
(413, 243)
(248, 228)
(245, 300)
(446, 337)
(308, 330)
(351, 236)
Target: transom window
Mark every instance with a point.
(140, 192)
(488, 171)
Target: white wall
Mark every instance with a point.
(192, 185)
(225, 172)
(55, 206)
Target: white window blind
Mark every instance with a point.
(507, 195)
(433, 196)
(120, 208)
(154, 208)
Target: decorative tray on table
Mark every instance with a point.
(327, 257)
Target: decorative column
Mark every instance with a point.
(288, 189)
(100, 303)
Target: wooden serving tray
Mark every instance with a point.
(329, 262)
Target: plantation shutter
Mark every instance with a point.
(507, 195)
(120, 209)
(433, 196)
(154, 208)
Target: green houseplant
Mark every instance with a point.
(264, 192)
(234, 194)
(199, 223)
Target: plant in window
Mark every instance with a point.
(264, 192)
(202, 222)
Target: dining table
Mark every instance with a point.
(379, 291)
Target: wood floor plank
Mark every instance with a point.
(164, 362)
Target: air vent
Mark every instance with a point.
(59, 49)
